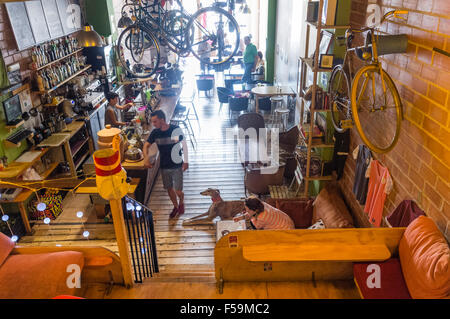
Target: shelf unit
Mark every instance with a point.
(313, 65)
(66, 80)
(58, 60)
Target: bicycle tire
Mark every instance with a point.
(337, 109)
(396, 100)
(176, 40)
(149, 36)
(232, 20)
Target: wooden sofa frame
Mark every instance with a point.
(301, 254)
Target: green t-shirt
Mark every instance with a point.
(250, 53)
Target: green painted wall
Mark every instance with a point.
(100, 14)
(271, 38)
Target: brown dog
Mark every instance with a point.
(223, 209)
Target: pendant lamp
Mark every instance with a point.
(88, 37)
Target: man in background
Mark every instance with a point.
(250, 60)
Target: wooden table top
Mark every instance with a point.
(272, 90)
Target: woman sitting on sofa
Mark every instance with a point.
(264, 216)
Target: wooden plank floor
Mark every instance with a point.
(214, 163)
(196, 289)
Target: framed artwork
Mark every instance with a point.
(326, 43)
(326, 61)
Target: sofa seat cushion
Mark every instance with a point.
(425, 259)
(299, 211)
(40, 276)
(6, 246)
(391, 283)
(330, 207)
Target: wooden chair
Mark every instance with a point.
(285, 192)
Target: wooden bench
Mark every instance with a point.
(301, 254)
(310, 252)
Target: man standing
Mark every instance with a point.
(173, 150)
(113, 108)
(250, 60)
(204, 50)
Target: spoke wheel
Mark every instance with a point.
(376, 108)
(215, 32)
(339, 93)
(139, 51)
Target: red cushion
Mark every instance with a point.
(392, 283)
(6, 246)
(300, 212)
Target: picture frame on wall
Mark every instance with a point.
(326, 61)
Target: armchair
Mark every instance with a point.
(258, 177)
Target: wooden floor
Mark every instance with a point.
(195, 289)
(214, 164)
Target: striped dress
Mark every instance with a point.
(272, 218)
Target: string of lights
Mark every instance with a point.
(41, 206)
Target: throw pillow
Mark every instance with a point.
(425, 260)
(299, 211)
(318, 225)
(330, 207)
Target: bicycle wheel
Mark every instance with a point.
(376, 108)
(213, 35)
(175, 24)
(339, 94)
(139, 51)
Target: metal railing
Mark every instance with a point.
(141, 236)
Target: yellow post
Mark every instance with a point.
(112, 186)
(121, 237)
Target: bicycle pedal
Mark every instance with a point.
(346, 124)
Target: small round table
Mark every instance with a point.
(267, 91)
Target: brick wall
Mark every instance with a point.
(420, 163)
(8, 45)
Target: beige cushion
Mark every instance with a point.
(331, 209)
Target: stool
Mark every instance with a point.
(282, 116)
(183, 118)
(277, 102)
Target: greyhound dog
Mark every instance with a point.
(219, 207)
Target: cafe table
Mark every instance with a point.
(268, 91)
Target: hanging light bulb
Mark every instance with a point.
(47, 221)
(14, 238)
(41, 207)
(80, 214)
(130, 206)
(86, 234)
(5, 218)
(88, 37)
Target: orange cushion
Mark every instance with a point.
(6, 246)
(39, 276)
(425, 260)
(330, 207)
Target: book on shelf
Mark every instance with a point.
(329, 12)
